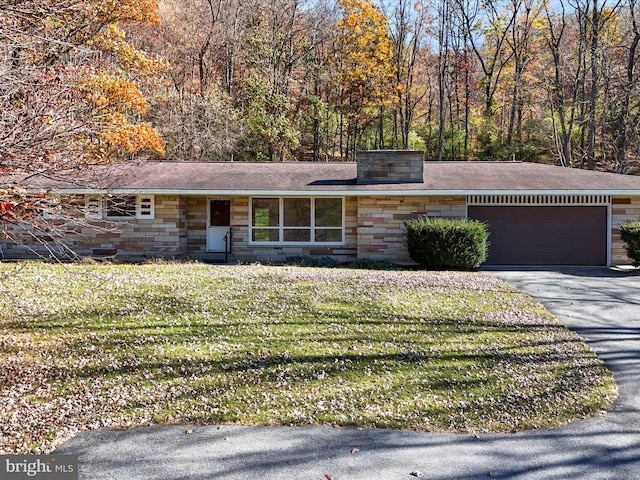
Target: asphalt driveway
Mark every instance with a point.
(602, 305)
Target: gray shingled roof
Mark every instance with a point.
(340, 178)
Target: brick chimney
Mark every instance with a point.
(390, 166)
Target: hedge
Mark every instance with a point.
(630, 233)
(442, 243)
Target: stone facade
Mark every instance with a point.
(196, 219)
(623, 209)
(164, 236)
(381, 231)
(374, 228)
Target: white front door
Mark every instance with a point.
(218, 226)
(216, 239)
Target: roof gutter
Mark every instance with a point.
(334, 193)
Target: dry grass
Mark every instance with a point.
(88, 346)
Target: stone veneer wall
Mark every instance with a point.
(623, 209)
(390, 166)
(196, 226)
(381, 231)
(373, 229)
(165, 236)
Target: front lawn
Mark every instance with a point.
(90, 346)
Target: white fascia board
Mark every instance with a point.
(345, 193)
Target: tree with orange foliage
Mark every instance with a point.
(79, 46)
(364, 81)
(70, 96)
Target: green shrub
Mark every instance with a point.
(630, 234)
(373, 264)
(446, 243)
(307, 261)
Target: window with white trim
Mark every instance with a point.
(297, 220)
(116, 207)
(120, 207)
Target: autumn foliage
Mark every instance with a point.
(363, 56)
(84, 82)
(72, 93)
(74, 56)
(363, 60)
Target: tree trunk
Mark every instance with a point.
(467, 110)
(443, 44)
(512, 112)
(593, 92)
(381, 130)
(622, 142)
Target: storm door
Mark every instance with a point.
(219, 226)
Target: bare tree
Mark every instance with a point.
(520, 41)
(444, 21)
(409, 22)
(593, 17)
(564, 86)
(629, 111)
(488, 43)
(59, 116)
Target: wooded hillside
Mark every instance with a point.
(277, 80)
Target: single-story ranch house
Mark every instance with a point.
(537, 214)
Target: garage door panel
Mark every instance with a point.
(545, 235)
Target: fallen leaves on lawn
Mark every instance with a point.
(125, 346)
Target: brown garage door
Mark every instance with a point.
(537, 235)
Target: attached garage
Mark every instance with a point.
(538, 214)
(545, 234)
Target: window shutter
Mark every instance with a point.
(93, 207)
(146, 207)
